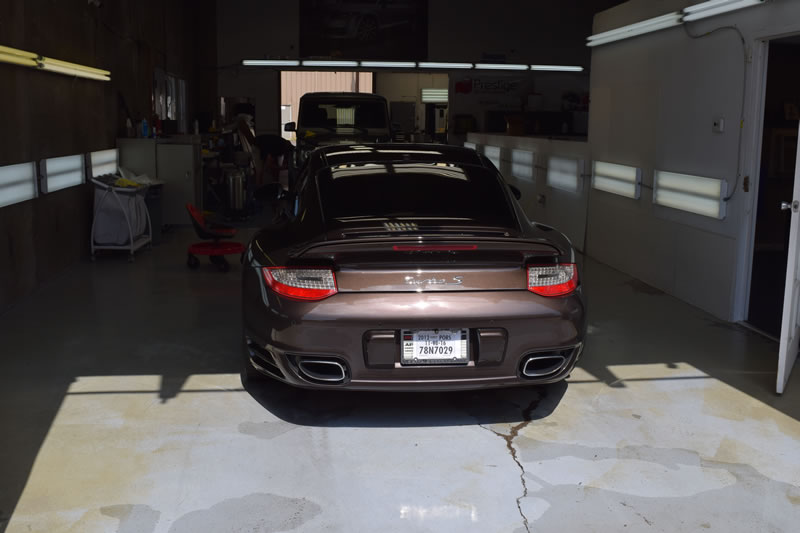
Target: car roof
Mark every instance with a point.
(339, 96)
(343, 154)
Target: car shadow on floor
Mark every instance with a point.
(326, 408)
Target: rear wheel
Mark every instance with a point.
(192, 262)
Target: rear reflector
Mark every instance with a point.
(435, 248)
(553, 280)
(301, 283)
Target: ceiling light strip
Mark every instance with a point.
(389, 64)
(557, 68)
(270, 62)
(716, 7)
(444, 66)
(329, 63)
(646, 26)
(439, 65)
(500, 66)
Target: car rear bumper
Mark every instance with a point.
(361, 333)
(285, 366)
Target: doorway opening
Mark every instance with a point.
(294, 84)
(418, 104)
(775, 185)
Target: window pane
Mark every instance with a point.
(416, 190)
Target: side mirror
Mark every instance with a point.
(515, 191)
(268, 193)
(290, 126)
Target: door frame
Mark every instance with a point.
(751, 163)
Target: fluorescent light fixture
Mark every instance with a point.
(103, 162)
(471, 146)
(500, 66)
(321, 63)
(716, 7)
(617, 179)
(434, 64)
(17, 183)
(30, 59)
(564, 173)
(695, 194)
(271, 62)
(493, 154)
(632, 30)
(435, 96)
(17, 60)
(73, 72)
(50, 62)
(389, 64)
(61, 172)
(523, 164)
(18, 57)
(557, 68)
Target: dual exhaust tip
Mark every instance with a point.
(333, 372)
(322, 370)
(542, 365)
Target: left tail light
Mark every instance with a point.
(553, 280)
(301, 283)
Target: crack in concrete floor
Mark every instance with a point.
(527, 417)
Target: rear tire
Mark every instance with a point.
(192, 262)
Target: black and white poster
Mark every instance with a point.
(364, 29)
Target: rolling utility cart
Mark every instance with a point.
(121, 220)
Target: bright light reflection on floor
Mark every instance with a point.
(421, 513)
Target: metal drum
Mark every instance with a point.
(236, 188)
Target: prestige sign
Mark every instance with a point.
(487, 86)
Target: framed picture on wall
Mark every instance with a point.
(364, 29)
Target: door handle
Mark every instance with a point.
(794, 206)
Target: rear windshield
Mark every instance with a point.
(415, 191)
(344, 114)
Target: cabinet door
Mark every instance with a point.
(138, 156)
(177, 169)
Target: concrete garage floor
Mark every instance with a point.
(122, 411)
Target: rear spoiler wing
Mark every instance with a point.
(423, 243)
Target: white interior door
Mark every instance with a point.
(790, 328)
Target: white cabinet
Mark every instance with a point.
(175, 162)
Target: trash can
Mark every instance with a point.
(236, 189)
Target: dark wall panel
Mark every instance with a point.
(48, 115)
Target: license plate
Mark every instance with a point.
(435, 347)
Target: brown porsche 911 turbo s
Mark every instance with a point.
(409, 267)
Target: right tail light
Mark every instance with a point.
(553, 280)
